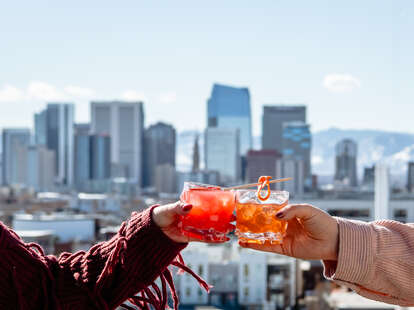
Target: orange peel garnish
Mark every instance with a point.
(264, 182)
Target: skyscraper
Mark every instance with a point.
(124, 123)
(15, 143)
(159, 149)
(346, 163)
(222, 153)
(229, 107)
(260, 163)
(274, 116)
(40, 128)
(382, 192)
(410, 177)
(196, 156)
(40, 168)
(296, 146)
(59, 137)
(92, 158)
(369, 178)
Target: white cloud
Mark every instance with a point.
(9, 93)
(44, 92)
(340, 83)
(80, 92)
(132, 95)
(170, 97)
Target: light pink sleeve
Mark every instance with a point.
(376, 260)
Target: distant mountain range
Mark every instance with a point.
(394, 148)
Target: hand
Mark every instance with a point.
(167, 218)
(311, 234)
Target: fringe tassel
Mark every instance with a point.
(158, 298)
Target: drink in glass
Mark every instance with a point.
(212, 211)
(256, 219)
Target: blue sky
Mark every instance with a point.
(351, 62)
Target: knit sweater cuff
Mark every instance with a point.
(355, 253)
(149, 245)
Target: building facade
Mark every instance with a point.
(40, 128)
(40, 168)
(296, 146)
(15, 143)
(410, 177)
(260, 163)
(346, 163)
(222, 153)
(92, 158)
(59, 122)
(124, 123)
(229, 107)
(159, 149)
(274, 116)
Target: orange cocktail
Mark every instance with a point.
(256, 219)
(211, 214)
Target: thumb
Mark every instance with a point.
(301, 211)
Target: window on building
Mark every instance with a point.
(200, 270)
(246, 270)
(400, 213)
(188, 292)
(246, 292)
(349, 212)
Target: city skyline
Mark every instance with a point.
(342, 60)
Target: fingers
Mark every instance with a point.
(302, 211)
(180, 208)
(274, 248)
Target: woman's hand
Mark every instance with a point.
(167, 218)
(311, 234)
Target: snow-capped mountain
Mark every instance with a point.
(396, 149)
(373, 145)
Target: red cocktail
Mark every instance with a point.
(211, 214)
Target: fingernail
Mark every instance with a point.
(187, 207)
(280, 215)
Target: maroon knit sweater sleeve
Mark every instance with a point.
(121, 270)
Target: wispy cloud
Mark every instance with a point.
(132, 95)
(9, 93)
(80, 92)
(42, 91)
(169, 97)
(341, 83)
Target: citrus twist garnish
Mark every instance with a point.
(264, 182)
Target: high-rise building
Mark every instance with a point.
(196, 156)
(382, 192)
(124, 123)
(59, 138)
(40, 168)
(346, 163)
(274, 116)
(291, 168)
(260, 163)
(92, 158)
(410, 177)
(165, 179)
(159, 150)
(229, 107)
(82, 128)
(296, 146)
(15, 143)
(222, 153)
(369, 178)
(40, 128)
